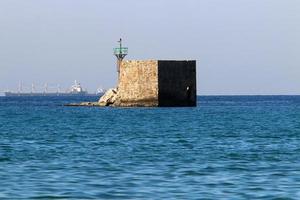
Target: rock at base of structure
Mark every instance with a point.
(109, 98)
(90, 104)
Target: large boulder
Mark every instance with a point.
(109, 97)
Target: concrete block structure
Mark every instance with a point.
(157, 83)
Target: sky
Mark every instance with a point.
(242, 47)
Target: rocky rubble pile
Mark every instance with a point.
(109, 98)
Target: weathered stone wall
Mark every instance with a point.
(138, 83)
(177, 83)
(157, 83)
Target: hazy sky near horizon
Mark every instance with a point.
(241, 46)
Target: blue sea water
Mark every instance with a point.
(228, 147)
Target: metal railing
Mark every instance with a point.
(123, 50)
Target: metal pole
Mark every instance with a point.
(120, 56)
(119, 59)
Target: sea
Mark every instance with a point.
(228, 147)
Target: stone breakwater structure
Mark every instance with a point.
(152, 83)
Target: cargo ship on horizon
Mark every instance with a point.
(75, 90)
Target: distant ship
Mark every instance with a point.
(75, 90)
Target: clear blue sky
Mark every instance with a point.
(241, 46)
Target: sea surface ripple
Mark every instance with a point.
(228, 147)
